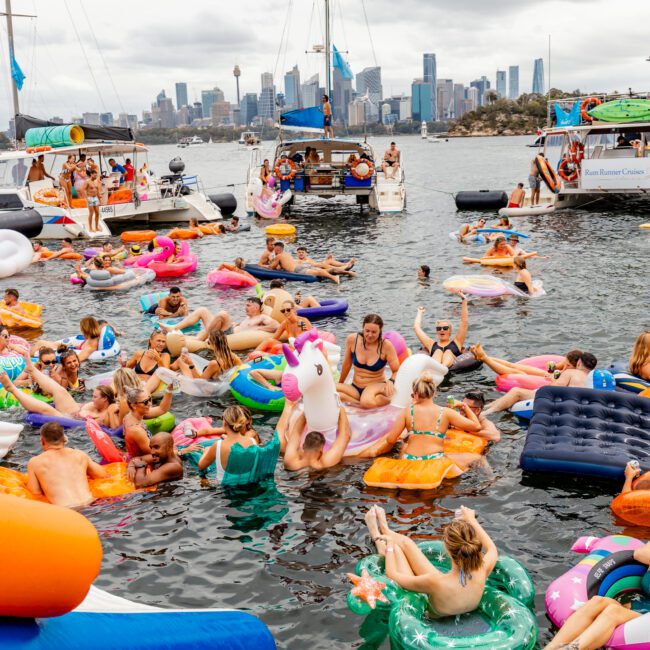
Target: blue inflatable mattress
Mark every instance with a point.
(264, 273)
(587, 432)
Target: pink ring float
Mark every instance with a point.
(157, 260)
(531, 382)
(231, 278)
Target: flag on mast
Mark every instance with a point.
(340, 63)
(16, 73)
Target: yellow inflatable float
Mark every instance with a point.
(12, 318)
(246, 340)
(280, 229)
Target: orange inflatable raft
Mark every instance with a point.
(31, 318)
(138, 235)
(634, 506)
(211, 229)
(115, 484)
(182, 233)
(405, 474)
(52, 555)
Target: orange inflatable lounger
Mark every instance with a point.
(52, 556)
(31, 317)
(634, 506)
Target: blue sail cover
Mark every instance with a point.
(571, 118)
(305, 118)
(341, 64)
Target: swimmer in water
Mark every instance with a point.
(367, 354)
(468, 230)
(91, 331)
(161, 465)
(424, 272)
(524, 280)
(473, 557)
(194, 227)
(444, 349)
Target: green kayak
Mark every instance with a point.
(622, 110)
(503, 619)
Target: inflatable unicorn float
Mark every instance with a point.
(307, 375)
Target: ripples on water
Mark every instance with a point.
(282, 551)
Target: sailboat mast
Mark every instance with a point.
(328, 50)
(10, 38)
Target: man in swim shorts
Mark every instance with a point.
(391, 162)
(284, 261)
(535, 183)
(517, 197)
(59, 473)
(93, 199)
(268, 255)
(171, 306)
(329, 263)
(327, 117)
(311, 452)
(160, 466)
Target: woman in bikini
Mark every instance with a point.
(67, 374)
(444, 349)
(90, 330)
(367, 354)
(80, 176)
(224, 359)
(64, 404)
(473, 557)
(146, 362)
(524, 280)
(136, 434)
(65, 177)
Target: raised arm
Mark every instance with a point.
(335, 453)
(425, 339)
(163, 407)
(491, 552)
(282, 427)
(292, 448)
(464, 319)
(467, 421)
(631, 472)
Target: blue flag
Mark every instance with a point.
(342, 65)
(16, 72)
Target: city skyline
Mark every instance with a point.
(163, 52)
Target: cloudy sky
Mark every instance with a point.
(117, 55)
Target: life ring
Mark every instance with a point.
(577, 151)
(587, 104)
(360, 175)
(138, 235)
(568, 175)
(48, 197)
(281, 169)
(280, 229)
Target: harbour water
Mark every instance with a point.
(282, 550)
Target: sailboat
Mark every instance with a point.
(336, 167)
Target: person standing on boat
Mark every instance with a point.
(116, 168)
(130, 173)
(327, 117)
(93, 198)
(517, 197)
(41, 166)
(535, 183)
(265, 172)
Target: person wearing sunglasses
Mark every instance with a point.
(125, 379)
(46, 363)
(64, 404)
(292, 325)
(468, 230)
(445, 348)
(136, 433)
(10, 345)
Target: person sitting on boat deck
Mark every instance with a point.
(369, 387)
(11, 300)
(327, 117)
(285, 262)
(306, 302)
(329, 263)
(162, 464)
(575, 377)
(640, 358)
(310, 452)
(130, 173)
(312, 157)
(41, 166)
(171, 306)
(59, 473)
(93, 197)
(524, 280)
(255, 320)
(265, 171)
(426, 425)
(116, 168)
(392, 158)
(352, 158)
(90, 330)
(64, 404)
(517, 196)
(146, 362)
(594, 622)
(194, 227)
(473, 558)
(233, 226)
(269, 252)
(469, 229)
(46, 363)
(236, 425)
(534, 182)
(424, 271)
(500, 248)
(39, 251)
(444, 349)
(224, 359)
(67, 373)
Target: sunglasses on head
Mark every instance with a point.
(442, 328)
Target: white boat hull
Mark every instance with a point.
(527, 211)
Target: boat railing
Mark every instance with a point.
(566, 103)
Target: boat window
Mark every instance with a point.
(10, 202)
(13, 172)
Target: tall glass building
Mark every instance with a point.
(430, 76)
(538, 77)
(501, 83)
(513, 85)
(292, 88)
(421, 101)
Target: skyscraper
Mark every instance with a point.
(369, 82)
(482, 85)
(341, 95)
(501, 83)
(459, 99)
(181, 94)
(538, 77)
(209, 97)
(248, 108)
(513, 85)
(421, 102)
(266, 105)
(309, 92)
(292, 93)
(445, 92)
(430, 77)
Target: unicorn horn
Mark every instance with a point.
(292, 359)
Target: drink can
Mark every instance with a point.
(458, 513)
(184, 351)
(635, 464)
(451, 401)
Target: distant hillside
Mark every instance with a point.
(522, 116)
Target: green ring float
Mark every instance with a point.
(504, 612)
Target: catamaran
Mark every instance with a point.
(319, 167)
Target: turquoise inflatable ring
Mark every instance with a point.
(252, 394)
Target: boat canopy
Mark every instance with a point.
(303, 119)
(90, 149)
(91, 131)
